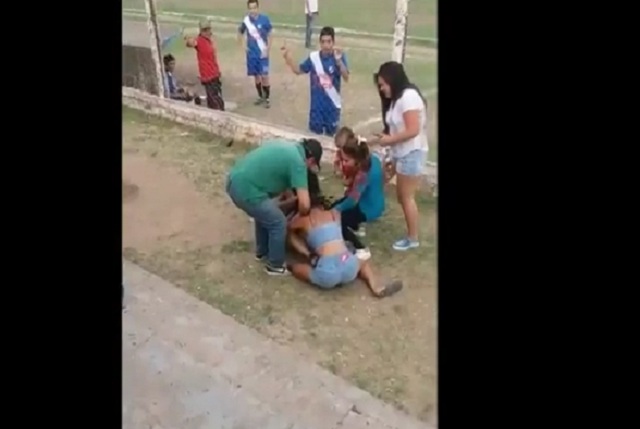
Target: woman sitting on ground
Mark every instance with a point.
(364, 197)
(318, 237)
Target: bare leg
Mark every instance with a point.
(406, 188)
(366, 274)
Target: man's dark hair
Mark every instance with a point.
(328, 31)
(394, 75)
(167, 59)
(312, 149)
(253, 1)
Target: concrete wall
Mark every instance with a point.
(138, 69)
(233, 125)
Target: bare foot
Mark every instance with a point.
(390, 289)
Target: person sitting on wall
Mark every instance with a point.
(171, 88)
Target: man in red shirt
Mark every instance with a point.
(208, 65)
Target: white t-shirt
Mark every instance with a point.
(310, 6)
(410, 100)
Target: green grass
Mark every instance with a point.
(363, 15)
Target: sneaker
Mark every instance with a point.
(260, 258)
(363, 254)
(405, 244)
(267, 104)
(275, 271)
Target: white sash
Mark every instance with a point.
(253, 32)
(325, 80)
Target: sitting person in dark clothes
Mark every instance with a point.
(171, 88)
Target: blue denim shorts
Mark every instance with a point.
(333, 270)
(412, 164)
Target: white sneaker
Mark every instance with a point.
(363, 254)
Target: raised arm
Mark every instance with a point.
(190, 41)
(303, 68)
(341, 61)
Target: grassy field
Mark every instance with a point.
(179, 224)
(363, 15)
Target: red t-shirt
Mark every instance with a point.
(207, 60)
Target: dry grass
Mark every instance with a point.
(387, 347)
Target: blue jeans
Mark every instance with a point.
(270, 224)
(310, 19)
(412, 164)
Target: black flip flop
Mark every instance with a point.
(391, 289)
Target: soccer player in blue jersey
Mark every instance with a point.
(326, 68)
(256, 28)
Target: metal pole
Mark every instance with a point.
(400, 31)
(154, 43)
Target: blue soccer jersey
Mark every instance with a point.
(257, 30)
(325, 100)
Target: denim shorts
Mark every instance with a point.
(412, 164)
(333, 270)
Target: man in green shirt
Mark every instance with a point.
(265, 172)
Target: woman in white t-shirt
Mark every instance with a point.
(405, 115)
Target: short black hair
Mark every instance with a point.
(167, 59)
(253, 1)
(328, 31)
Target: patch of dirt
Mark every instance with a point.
(129, 191)
(163, 205)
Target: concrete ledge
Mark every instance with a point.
(229, 124)
(188, 366)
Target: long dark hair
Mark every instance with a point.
(394, 75)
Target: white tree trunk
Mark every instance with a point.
(154, 43)
(400, 31)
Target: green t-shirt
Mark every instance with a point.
(270, 169)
